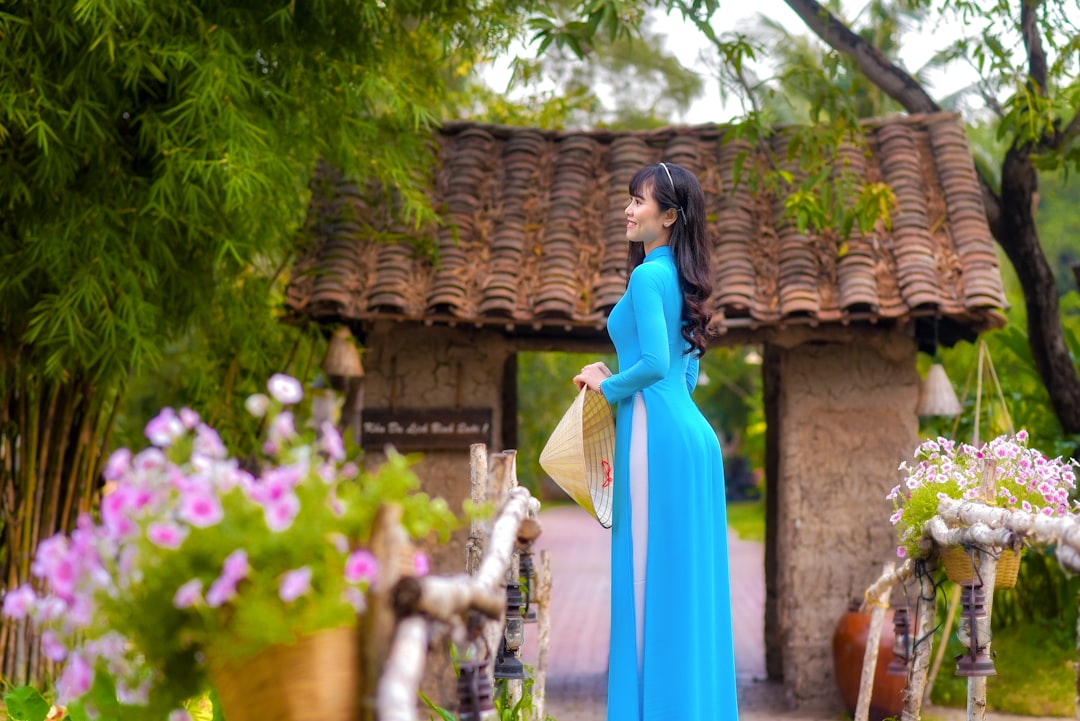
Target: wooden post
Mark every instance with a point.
(987, 573)
(922, 635)
(478, 483)
(873, 641)
(543, 633)
(514, 688)
(389, 544)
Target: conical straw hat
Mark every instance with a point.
(580, 453)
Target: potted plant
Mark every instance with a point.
(1025, 479)
(198, 563)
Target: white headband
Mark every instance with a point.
(670, 180)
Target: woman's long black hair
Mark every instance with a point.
(689, 244)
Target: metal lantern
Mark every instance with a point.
(475, 693)
(901, 642)
(974, 633)
(507, 663)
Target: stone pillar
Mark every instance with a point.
(847, 420)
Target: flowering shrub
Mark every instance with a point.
(1025, 480)
(192, 556)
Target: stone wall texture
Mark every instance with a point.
(847, 419)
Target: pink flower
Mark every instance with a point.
(331, 443)
(166, 535)
(75, 680)
(201, 509)
(208, 442)
(164, 428)
(901, 551)
(361, 566)
(51, 646)
(20, 602)
(179, 715)
(421, 565)
(285, 389)
(114, 514)
(221, 591)
(356, 598)
(54, 562)
(282, 427)
(189, 594)
(236, 565)
(118, 465)
(189, 418)
(295, 584)
(280, 514)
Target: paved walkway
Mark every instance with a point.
(577, 659)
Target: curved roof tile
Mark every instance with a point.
(533, 234)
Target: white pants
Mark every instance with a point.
(639, 515)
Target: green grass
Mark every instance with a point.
(1036, 673)
(747, 519)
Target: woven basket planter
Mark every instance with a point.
(958, 567)
(314, 679)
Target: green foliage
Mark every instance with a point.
(1035, 673)
(747, 519)
(26, 703)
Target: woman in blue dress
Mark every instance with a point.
(671, 652)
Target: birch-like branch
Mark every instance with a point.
(446, 598)
(1063, 533)
(404, 667)
(504, 534)
(889, 578)
(978, 534)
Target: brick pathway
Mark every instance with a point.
(577, 659)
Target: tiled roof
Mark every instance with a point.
(535, 235)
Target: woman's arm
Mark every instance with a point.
(646, 295)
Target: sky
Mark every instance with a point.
(687, 43)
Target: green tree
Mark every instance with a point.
(154, 164)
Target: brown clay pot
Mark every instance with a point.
(849, 645)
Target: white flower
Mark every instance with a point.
(285, 389)
(257, 405)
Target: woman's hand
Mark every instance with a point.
(591, 376)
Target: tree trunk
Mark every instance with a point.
(1018, 235)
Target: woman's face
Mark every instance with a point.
(646, 223)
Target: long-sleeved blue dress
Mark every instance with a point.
(671, 649)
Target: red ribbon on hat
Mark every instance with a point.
(607, 473)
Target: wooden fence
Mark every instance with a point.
(472, 604)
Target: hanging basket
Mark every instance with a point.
(958, 567)
(314, 679)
